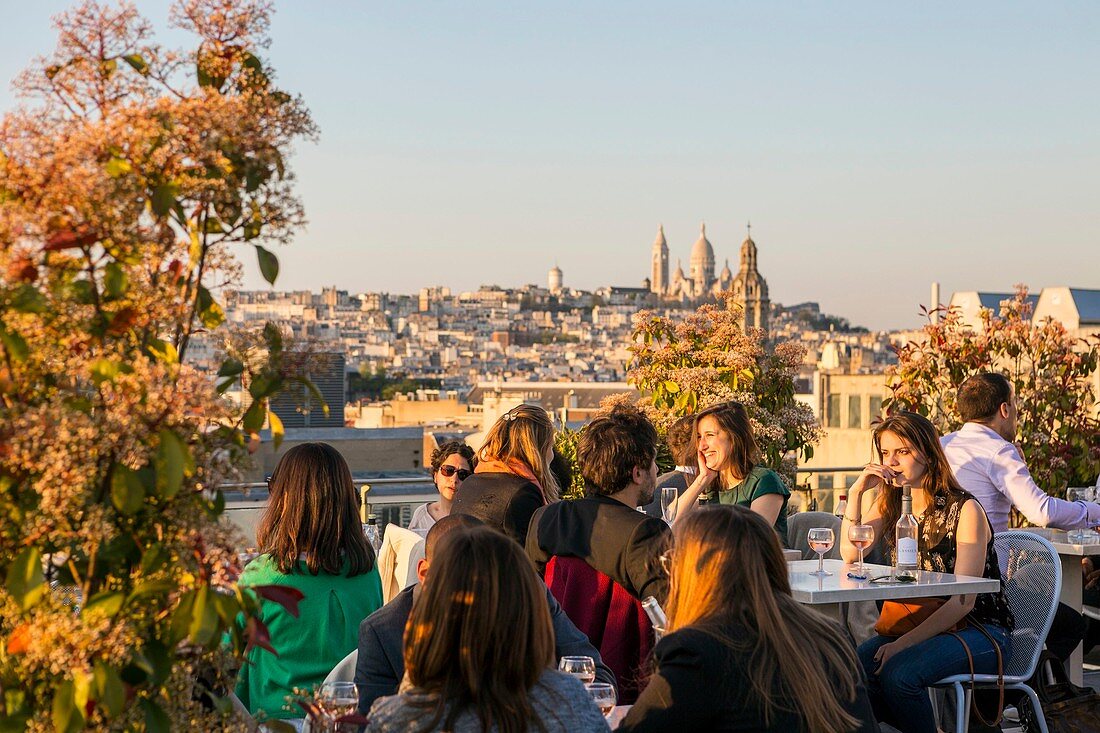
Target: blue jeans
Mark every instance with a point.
(899, 691)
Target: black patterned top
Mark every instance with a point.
(938, 551)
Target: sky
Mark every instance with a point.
(876, 147)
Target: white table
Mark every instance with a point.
(1070, 554)
(617, 715)
(839, 588)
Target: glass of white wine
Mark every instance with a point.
(337, 699)
(603, 695)
(583, 668)
(821, 541)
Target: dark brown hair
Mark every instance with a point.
(313, 510)
(938, 480)
(479, 635)
(450, 448)
(981, 396)
(734, 420)
(728, 576)
(681, 441)
(612, 446)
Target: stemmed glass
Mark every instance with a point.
(821, 541)
(668, 503)
(337, 699)
(861, 536)
(1081, 494)
(603, 695)
(583, 668)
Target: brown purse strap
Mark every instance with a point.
(1000, 675)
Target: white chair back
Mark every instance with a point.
(1032, 582)
(344, 671)
(401, 550)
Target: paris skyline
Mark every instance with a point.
(874, 148)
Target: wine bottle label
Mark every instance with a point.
(907, 551)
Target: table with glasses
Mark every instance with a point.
(1071, 548)
(829, 593)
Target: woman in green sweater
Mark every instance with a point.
(310, 539)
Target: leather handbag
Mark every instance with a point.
(900, 617)
(996, 721)
(1066, 707)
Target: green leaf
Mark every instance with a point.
(172, 458)
(104, 370)
(155, 557)
(127, 492)
(25, 581)
(107, 603)
(115, 280)
(110, 694)
(254, 416)
(269, 264)
(118, 167)
(68, 717)
(151, 588)
(156, 720)
(181, 617)
(28, 299)
(671, 387)
(137, 63)
(163, 199)
(14, 344)
(231, 368)
(164, 352)
(204, 617)
(210, 313)
(316, 393)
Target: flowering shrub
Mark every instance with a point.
(685, 366)
(1050, 369)
(119, 196)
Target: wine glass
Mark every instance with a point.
(1077, 494)
(861, 536)
(583, 668)
(821, 541)
(603, 695)
(337, 699)
(668, 503)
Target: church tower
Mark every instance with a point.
(658, 283)
(702, 263)
(750, 290)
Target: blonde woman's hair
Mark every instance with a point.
(479, 635)
(525, 434)
(728, 570)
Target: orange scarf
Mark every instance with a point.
(513, 466)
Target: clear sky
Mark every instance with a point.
(875, 146)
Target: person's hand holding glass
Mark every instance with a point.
(821, 541)
(861, 536)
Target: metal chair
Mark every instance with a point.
(1032, 583)
(802, 522)
(344, 671)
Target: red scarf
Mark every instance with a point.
(513, 466)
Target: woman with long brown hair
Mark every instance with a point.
(479, 649)
(739, 652)
(729, 469)
(513, 477)
(311, 539)
(953, 536)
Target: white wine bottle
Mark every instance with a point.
(905, 534)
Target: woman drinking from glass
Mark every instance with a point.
(310, 538)
(739, 653)
(953, 536)
(452, 463)
(729, 471)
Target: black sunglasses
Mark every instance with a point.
(449, 470)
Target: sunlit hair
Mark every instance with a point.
(526, 434)
(612, 446)
(479, 635)
(728, 579)
(734, 421)
(980, 397)
(313, 512)
(921, 436)
(450, 448)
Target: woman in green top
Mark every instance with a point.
(311, 539)
(728, 472)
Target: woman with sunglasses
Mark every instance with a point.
(452, 463)
(729, 468)
(739, 653)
